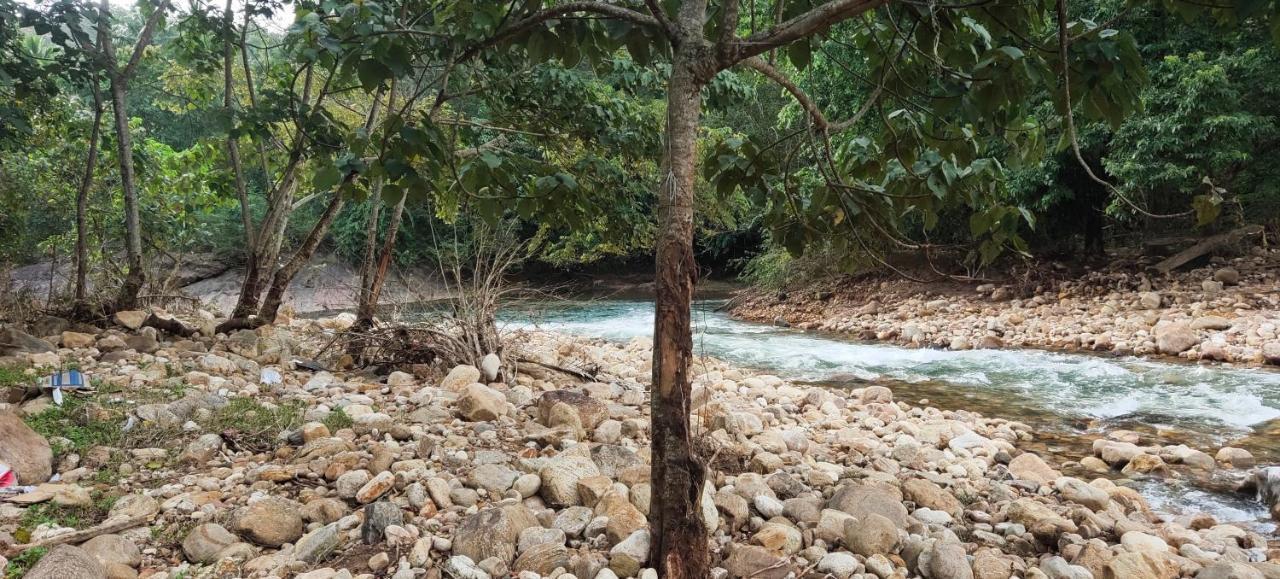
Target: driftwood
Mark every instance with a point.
(570, 371)
(1205, 247)
(107, 527)
(168, 325)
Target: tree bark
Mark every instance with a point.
(284, 276)
(136, 277)
(369, 305)
(233, 144)
(678, 535)
(82, 200)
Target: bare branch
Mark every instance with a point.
(812, 22)
(528, 22)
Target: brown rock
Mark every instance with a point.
(26, 452)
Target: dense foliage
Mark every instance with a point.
(962, 146)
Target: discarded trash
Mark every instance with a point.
(7, 477)
(271, 376)
(68, 380)
(129, 424)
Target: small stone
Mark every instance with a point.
(1235, 457)
(204, 542)
(270, 522)
(460, 377)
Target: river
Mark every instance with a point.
(1070, 399)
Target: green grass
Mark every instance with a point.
(253, 425)
(76, 517)
(337, 420)
(19, 565)
(10, 376)
(71, 421)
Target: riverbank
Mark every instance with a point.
(1228, 311)
(325, 474)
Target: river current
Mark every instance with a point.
(1069, 398)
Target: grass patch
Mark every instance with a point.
(23, 562)
(251, 425)
(75, 517)
(12, 376)
(337, 420)
(72, 422)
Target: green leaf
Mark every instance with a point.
(372, 73)
(800, 54)
(326, 177)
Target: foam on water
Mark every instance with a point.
(1209, 401)
(1070, 385)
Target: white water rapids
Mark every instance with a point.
(1212, 404)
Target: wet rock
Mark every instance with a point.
(27, 453)
(1144, 464)
(1235, 457)
(67, 562)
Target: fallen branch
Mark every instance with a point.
(168, 325)
(107, 527)
(570, 371)
(1205, 247)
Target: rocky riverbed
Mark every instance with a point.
(208, 465)
(1227, 311)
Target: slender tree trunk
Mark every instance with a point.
(368, 306)
(678, 546)
(370, 244)
(136, 276)
(82, 200)
(233, 144)
(284, 276)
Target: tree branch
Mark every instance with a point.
(815, 114)
(144, 38)
(528, 22)
(660, 16)
(812, 22)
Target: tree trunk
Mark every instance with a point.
(678, 534)
(233, 144)
(370, 248)
(369, 305)
(82, 200)
(136, 277)
(284, 276)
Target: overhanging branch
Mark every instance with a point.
(528, 22)
(812, 22)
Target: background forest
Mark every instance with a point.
(583, 129)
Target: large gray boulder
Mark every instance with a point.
(493, 532)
